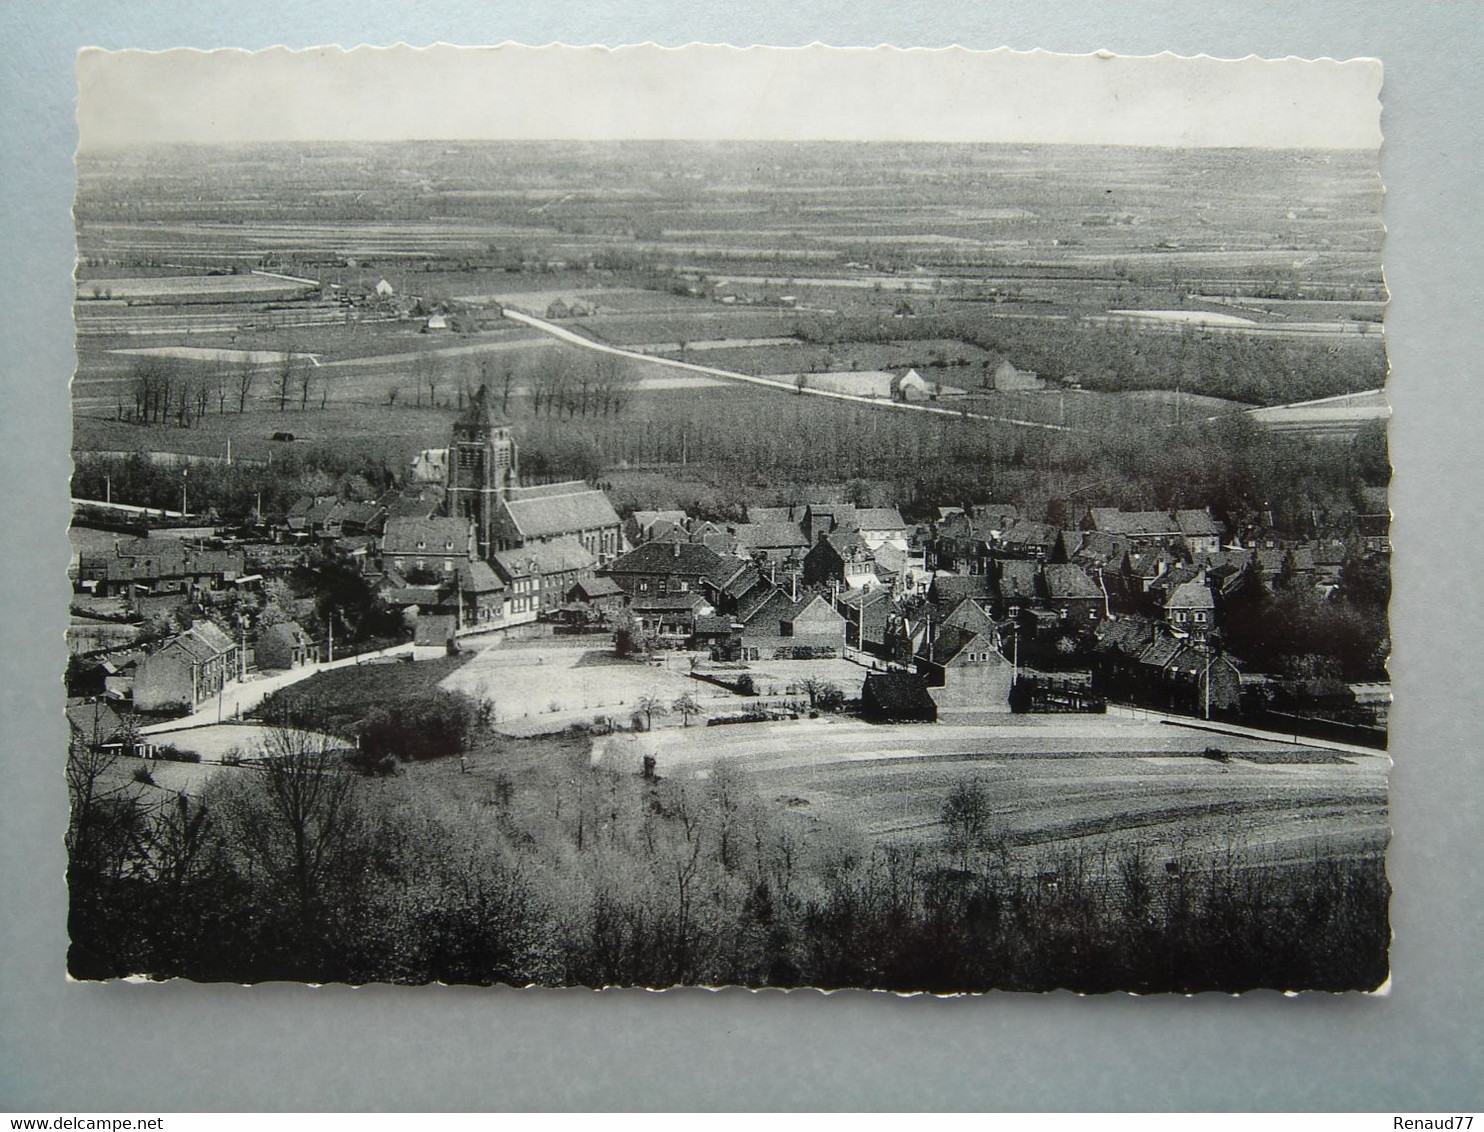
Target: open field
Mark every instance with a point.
(190, 288)
(1058, 784)
(545, 685)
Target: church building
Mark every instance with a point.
(483, 485)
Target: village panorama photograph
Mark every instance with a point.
(813, 518)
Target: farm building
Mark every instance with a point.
(911, 386)
(383, 289)
(1008, 379)
(436, 322)
(897, 697)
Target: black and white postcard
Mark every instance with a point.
(911, 520)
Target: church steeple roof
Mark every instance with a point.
(481, 415)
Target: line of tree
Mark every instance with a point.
(1122, 355)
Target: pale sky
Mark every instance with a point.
(717, 92)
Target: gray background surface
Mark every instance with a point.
(84, 1048)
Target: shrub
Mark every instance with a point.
(142, 775)
(173, 754)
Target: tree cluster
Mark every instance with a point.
(557, 872)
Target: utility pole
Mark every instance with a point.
(184, 476)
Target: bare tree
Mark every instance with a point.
(967, 817)
(246, 374)
(305, 812)
(283, 378)
(306, 379)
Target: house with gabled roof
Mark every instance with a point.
(554, 567)
(1201, 531)
(653, 569)
(1075, 597)
(1040, 542)
(670, 618)
(95, 725)
(813, 625)
(778, 541)
(644, 526)
(821, 519)
(482, 594)
(964, 671)
(1018, 583)
(879, 525)
(1191, 608)
(285, 645)
(867, 615)
(841, 558)
(186, 671)
(437, 546)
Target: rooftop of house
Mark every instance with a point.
(290, 633)
(879, 519)
(669, 603)
(950, 587)
(408, 535)
(95, 721)
(951, 642)
(1161, 651)
(685, 559)
(1018, 581)
(1129, 635)
(1026, 532)
(764, 608)
(601, 586)
(203, 641)
(1199, 524)
(1069, 581)
(769, 535)
(559, 556)
(1194, 594)
(477, 577)
(815, 606)
(772, 515)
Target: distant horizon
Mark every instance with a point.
(707, 93)
(113, 147)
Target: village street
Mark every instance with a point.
(237, 698)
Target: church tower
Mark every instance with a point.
(483, 465)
